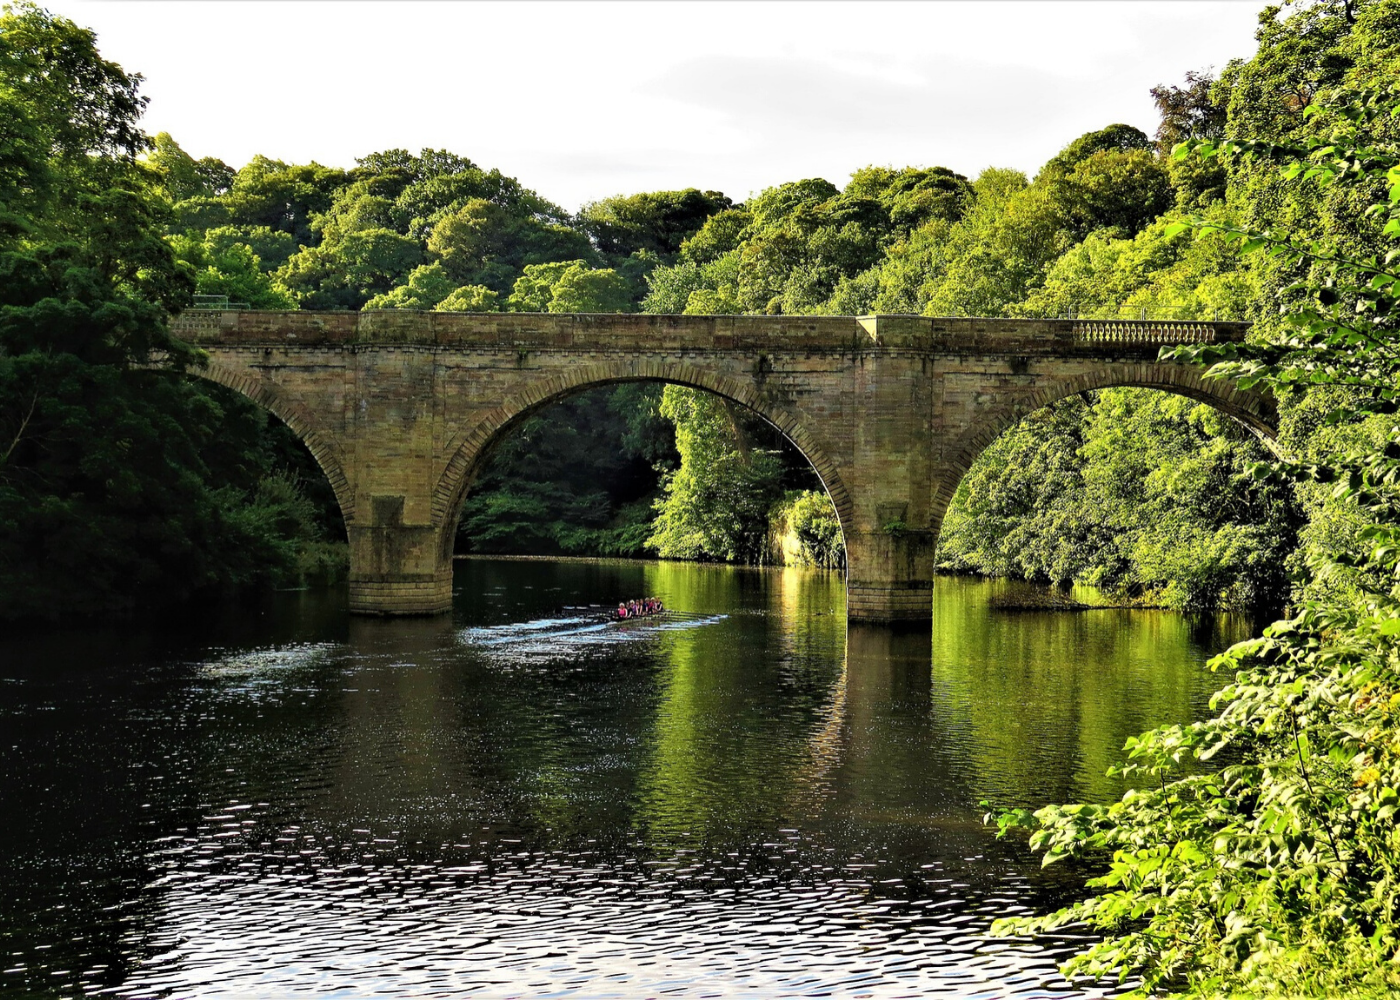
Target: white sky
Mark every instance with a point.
(585, 100)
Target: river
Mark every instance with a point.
(742, 798)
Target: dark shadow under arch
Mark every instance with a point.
(470, 453)
(1256, 411)
(296, 417)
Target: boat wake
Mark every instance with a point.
(584, 631)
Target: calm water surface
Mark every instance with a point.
(746, 798)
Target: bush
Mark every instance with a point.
(804, 531)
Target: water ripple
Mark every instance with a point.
(746, 798)
(577, 635)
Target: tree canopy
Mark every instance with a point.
(120, 482)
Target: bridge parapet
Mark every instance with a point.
(645, 332)
(1157, 332)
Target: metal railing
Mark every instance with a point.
(217, 302)
(1180, 314)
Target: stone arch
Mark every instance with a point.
(1255, 410)
(295, 416)
(456, 478)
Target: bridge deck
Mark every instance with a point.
(634, 331)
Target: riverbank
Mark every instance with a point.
(1052, 600)
(1017, 595)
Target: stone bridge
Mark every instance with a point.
(400, 408)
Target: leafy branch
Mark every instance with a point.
(1280, 872)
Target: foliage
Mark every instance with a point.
(182, 176)
(579, 477)
(733, 470)
(471, 299)
(707, 289)
(802, 246)
(1278, 872)
(716, 503)
(349, 272)
(222, 264)
(569, 286)
(483, 243)
(265, 194)
(1141, 493)
(805, 531)
(427, 285)
(657, 221)
(992, 258)
(1199, 277)
(1196, 110)
(999, 253)
(122, 484)
(337, 239)
(590, 290)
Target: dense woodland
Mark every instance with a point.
(1140, 494)
(1270, 191)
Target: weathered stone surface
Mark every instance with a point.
(398, 407)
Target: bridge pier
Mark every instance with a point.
(397, 568)
(889, 575)
(398, 593)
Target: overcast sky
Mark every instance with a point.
(585, 100)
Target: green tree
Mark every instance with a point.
(805, 530)
(534, 289)
(1279, 873)
(656, 221)
(272, 194)
(733, 471)
(721, 234)
(482, 243)
(595, 290)
(349, 272)
(439, 183)
(121, 484)
(998, 255)
(427, 285)
(569, 286)
(1195, 110)
(991, 259)
(184, 177)
(578, 477)
(1135, 491)
(222, 265)
(1115, 189)
(716, 502)
(1190, 277)
(272, 247)
(471, 298)
(805, 246)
